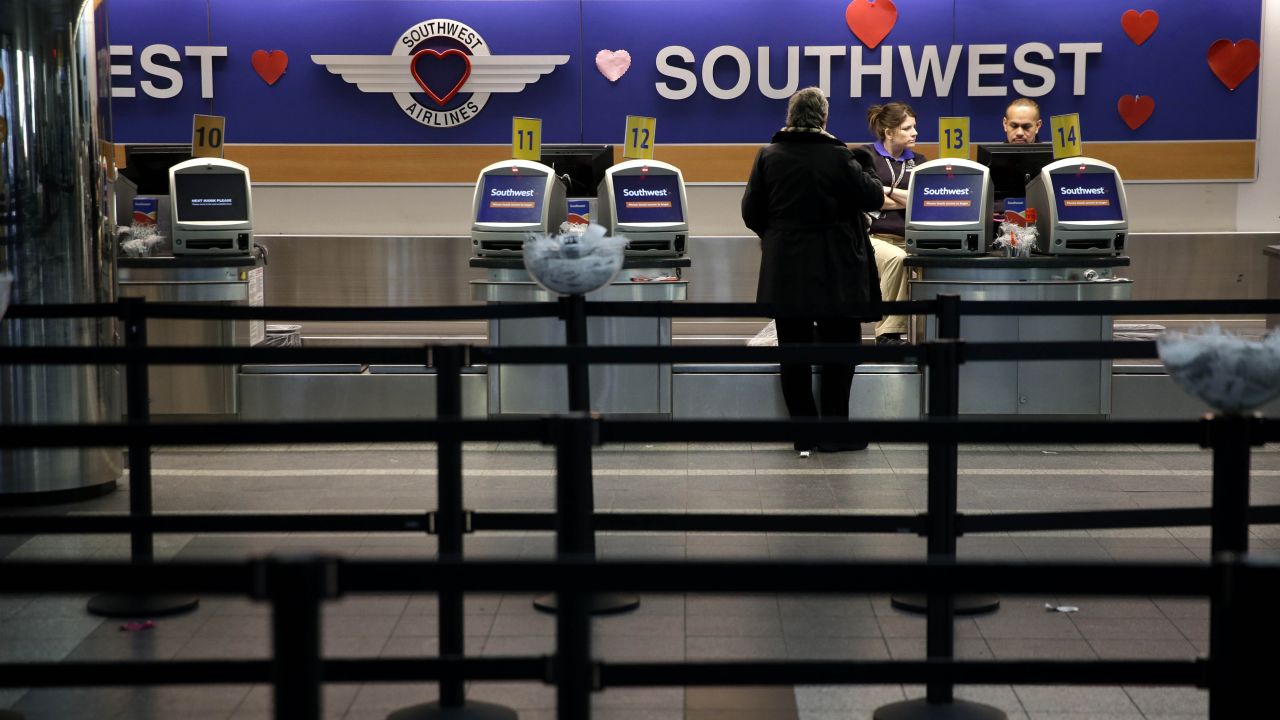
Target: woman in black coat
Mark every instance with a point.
(805, 199)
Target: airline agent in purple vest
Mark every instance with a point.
(894, 127)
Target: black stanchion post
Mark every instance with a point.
(450, 526)
(575, 335)
(296, 586)
(1229, 436)
(573, 667)
(1241, 679)
(138, 406)
(574, 435)
(943, 357)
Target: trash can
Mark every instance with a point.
(283, 336)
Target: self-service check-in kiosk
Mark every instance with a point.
(949, 208)
(644, 201)
(1080, 208)
(514, 198)
(212, 207)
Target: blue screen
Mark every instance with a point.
(1087, 196)
(937, 197)
(647, 198)
(511, 199)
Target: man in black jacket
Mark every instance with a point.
(805, 199)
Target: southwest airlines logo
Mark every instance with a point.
(442, 59)
(1085, 201)
(950, 197)
(645, 204)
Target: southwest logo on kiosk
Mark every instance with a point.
(449, 63)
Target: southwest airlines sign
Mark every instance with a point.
(715, 71)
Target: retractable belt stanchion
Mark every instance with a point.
(940, 608)
(1229, 434)
(449, 526)
(141, 540)
(296, 586)
(578, 465)
(572, 669)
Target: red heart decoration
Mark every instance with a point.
(436, 54)
(1136, 109)
(1232, 62)
(270, 65)
(1139, 25)
(871, 20)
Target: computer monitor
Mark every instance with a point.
(211, 204)
(949, 208)
(513, 199)
(148, 166)
(644, 201)
(1080, 208)
(1013, 165)
(581, 166)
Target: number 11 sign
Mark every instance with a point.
(526, 138)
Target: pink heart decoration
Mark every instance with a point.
(871, 20)
(613, 64)
(1139, 25)
(1232, 62)
(430, 55)
(270, 65)
(1136, 109)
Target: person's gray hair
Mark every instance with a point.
(807, 109)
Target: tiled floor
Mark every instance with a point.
(673, 478)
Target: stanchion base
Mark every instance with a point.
(469, 710)
(964, 604)
(601, 603)
(141, 606)
(922, 709)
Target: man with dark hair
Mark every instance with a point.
(1021, 121)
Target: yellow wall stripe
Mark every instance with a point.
(1208, 160)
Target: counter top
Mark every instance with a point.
(1272, 250)
(1000, 261)
(631, 262)
(188, 261)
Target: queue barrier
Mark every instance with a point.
(1230, 436)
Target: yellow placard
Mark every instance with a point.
(526, 138)
(207, 135)
(953, 137)
(638, 143)
(1066, 135)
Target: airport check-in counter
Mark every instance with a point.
(635, 390)
(195, 390)
(1039, 387)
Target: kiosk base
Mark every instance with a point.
(469, 710)
(922, 709)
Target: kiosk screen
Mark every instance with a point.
(653, 198)
(946, 198)
(211, 197)
(1084, 197)
(512, 199)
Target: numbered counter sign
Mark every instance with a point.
(1066, 135)
(526, 138)
(953, 137)
(639, 141)
(207, 135)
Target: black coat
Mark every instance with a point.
(806, 199)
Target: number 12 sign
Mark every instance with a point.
(639, 141)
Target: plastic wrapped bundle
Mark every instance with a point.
(574, 263)
(1230, 373)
